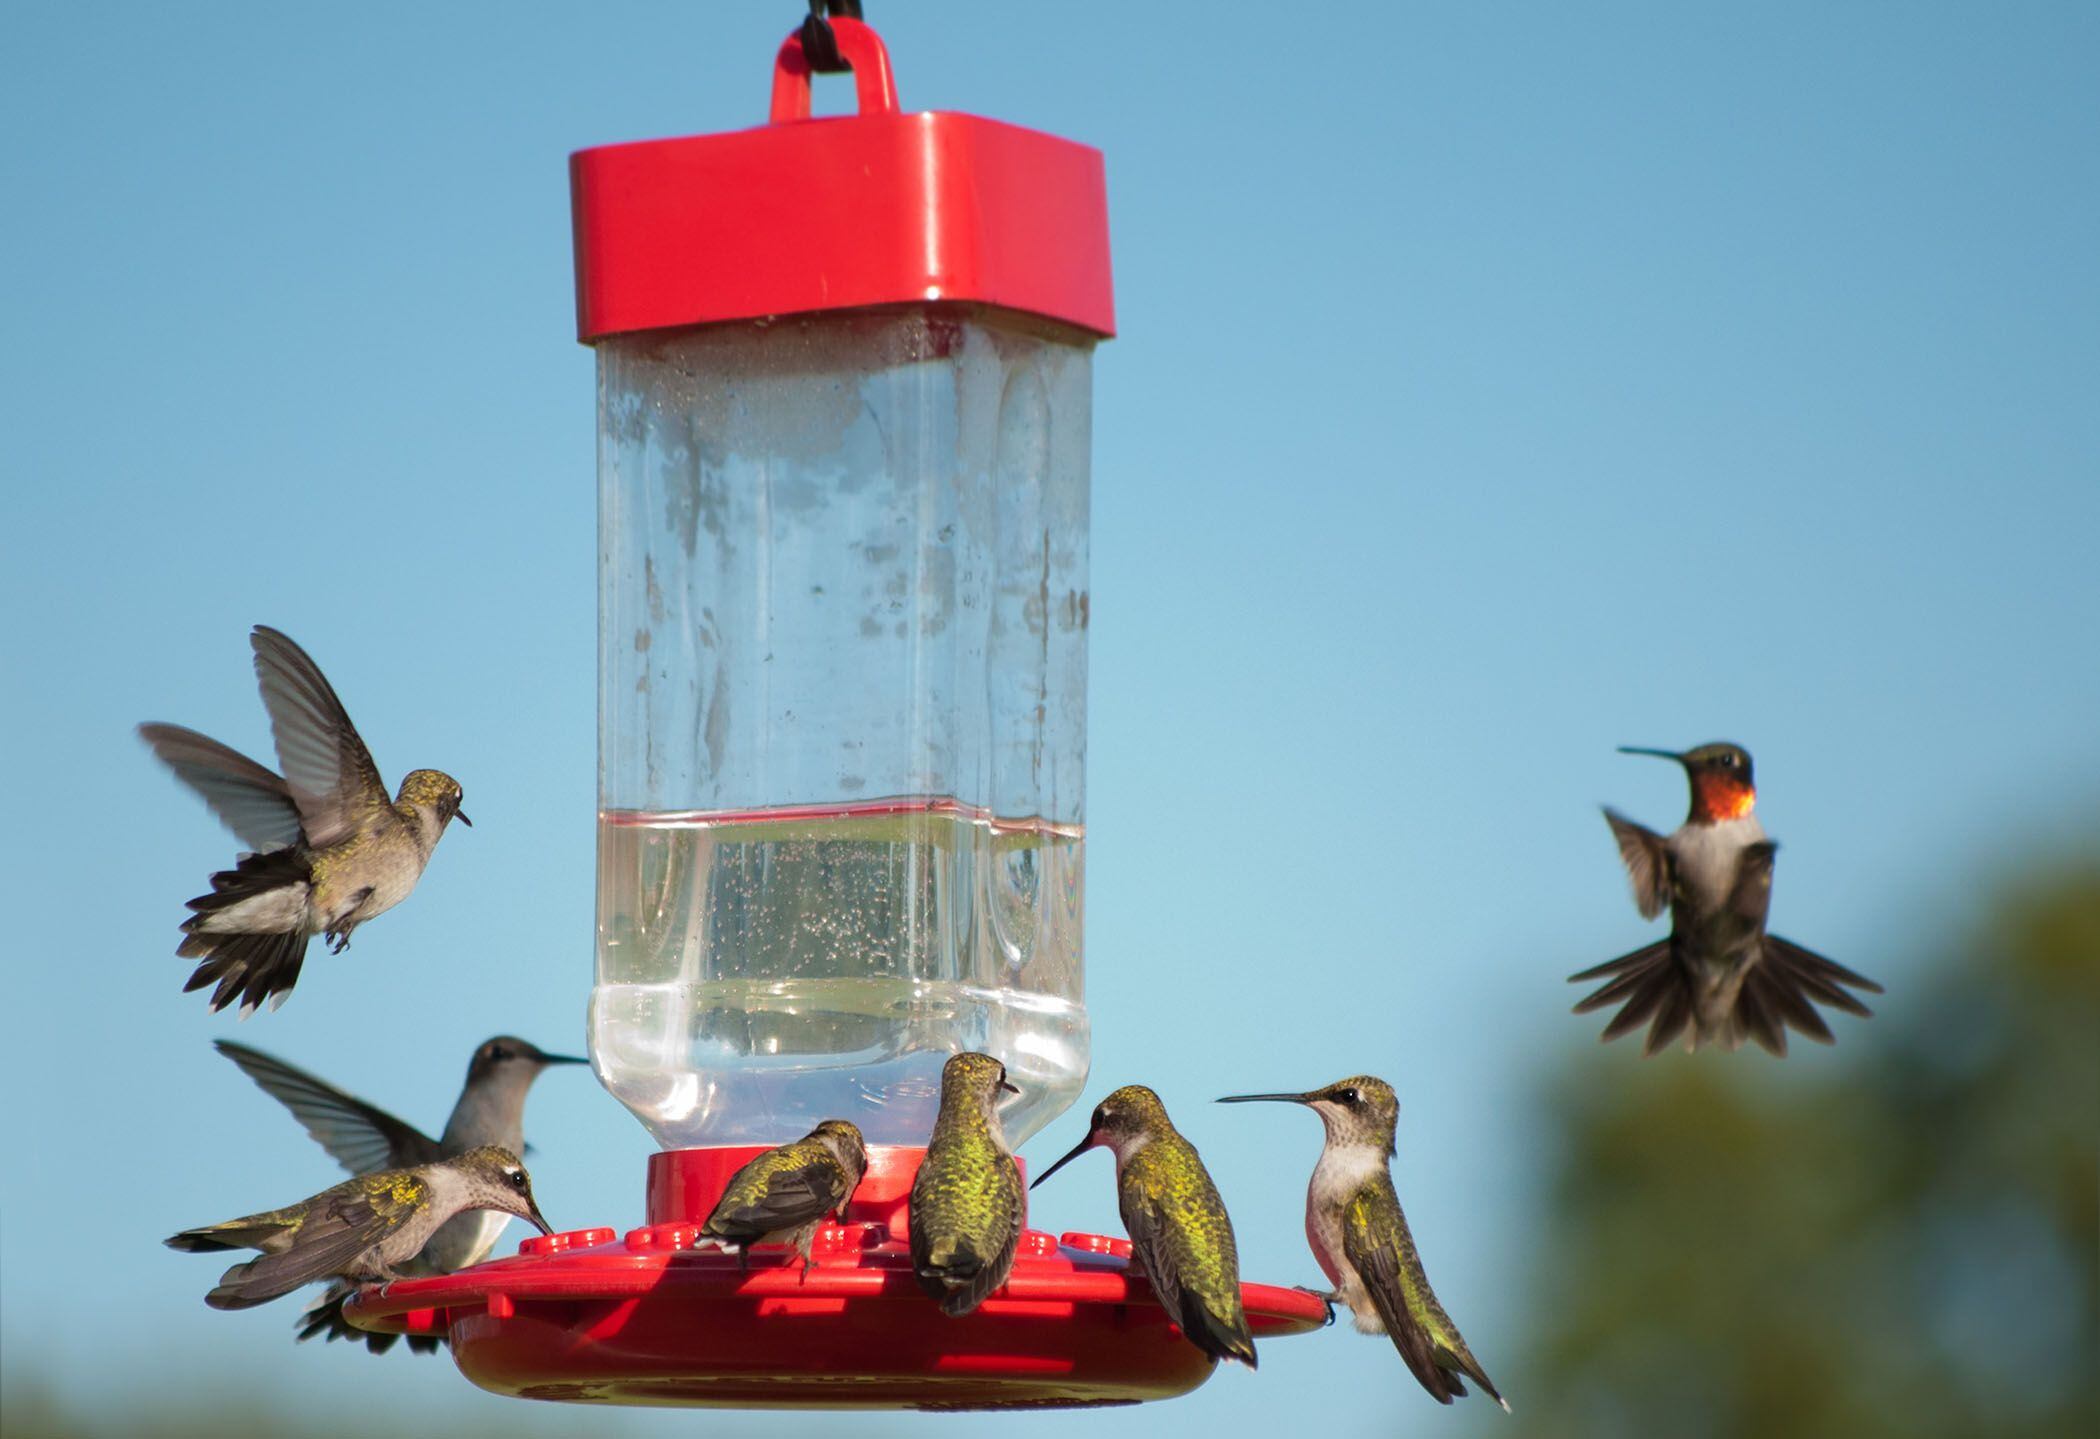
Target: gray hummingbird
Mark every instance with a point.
(1179, 1231)
(967, 1204)
(365, 1139)
(1720, 976)
(783, 1195)
(329, 848)
(362, 1230)
(1358, 1233)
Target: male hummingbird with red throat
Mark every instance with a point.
(1719, 977)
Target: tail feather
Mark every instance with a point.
(1222, 1336)
(248, 966)
(1807, 961)
(1671, 1018)
(324, 1320)
(1647, 977)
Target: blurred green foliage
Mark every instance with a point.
(1900, 1239)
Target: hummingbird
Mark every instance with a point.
(1358, 1233)
(1179, 1231)
(328, 848)
(783, 1195)
(1720, 976)
(363, 1229)
(967, 1204)
(365, 1139)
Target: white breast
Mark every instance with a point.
(1706, 855)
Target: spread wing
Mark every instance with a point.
(1375, 1240)
(327, 769)
(336, 1231)
(250, 800)
(1647, 863)
(359, 1136)
(785, 1198)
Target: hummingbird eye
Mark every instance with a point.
(517, 1179)
(1348, 1096)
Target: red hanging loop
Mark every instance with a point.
(864, 53)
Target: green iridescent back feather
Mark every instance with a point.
(1183, 1239)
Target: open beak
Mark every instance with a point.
(1265, 1099)
(1658, 753)
(461, 816)
(1078, 1149)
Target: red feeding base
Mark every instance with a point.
(647, 1318)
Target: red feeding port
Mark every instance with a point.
(649, 1318)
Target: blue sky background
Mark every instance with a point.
(1497, 384)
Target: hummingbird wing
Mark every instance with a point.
(1376, 1241)
(1647, 861)
(327, 769)
(795, 1188)
(361, 1137)
(249, 799)
(1183, 1241)
(339, 1226)
(944, 1215)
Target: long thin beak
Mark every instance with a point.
(563, 1059)
(1009, 1088)
(538, 1218)
(1658, 753)
(461, 816)
(1078, 1149)
(1263, 1098)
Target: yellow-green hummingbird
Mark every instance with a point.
(1359, 1235)
(1179, 1231)
(364, 1229)
(330, 849)
(364, 1139)
(783, 1195)
(1719, 977)
(967, 1204)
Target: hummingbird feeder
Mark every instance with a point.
(844, 390)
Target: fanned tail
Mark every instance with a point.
(1650, 987)
(249, 965)
(1783, 988)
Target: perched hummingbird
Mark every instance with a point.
(330, 850)
(1357, 1232)
(365, 1139)
(783, 1195)
(1178, 1228)
(1719, 972)
(363, 1229)
(967, 1203)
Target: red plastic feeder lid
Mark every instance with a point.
(648, 1318)
(802, 215)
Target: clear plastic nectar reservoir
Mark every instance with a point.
(842, 725)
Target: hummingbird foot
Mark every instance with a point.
(1325, 1296)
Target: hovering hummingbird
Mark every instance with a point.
(1178, 1228)
(330, 849)
(1719, 971)
(967, 1204)
(783, 1195)
(363, 1229)
(365, 1139)
(1358, 1233)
